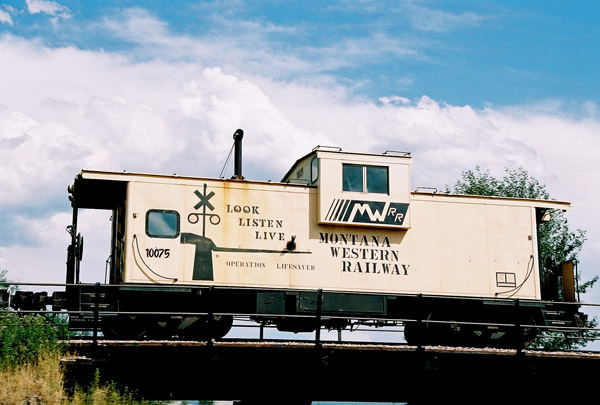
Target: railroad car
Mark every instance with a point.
(341, 235)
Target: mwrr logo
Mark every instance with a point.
(367, 212)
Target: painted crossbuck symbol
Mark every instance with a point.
(204, 203)
(204, 199)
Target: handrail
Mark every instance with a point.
(318, 316)
(487, 299)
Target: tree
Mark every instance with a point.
(3, 286)
(558, 243)
(2, 278)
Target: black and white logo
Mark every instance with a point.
(367, 212)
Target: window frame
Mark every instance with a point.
(159, 211)
(387, 179)
(313, 179)
(365, 184)
(362, 179)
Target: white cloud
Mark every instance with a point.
(6, 15)
(394, 100)
(43, 257)
(48, 7)
(427, 19)
(139, 25)
(375, 47)
(250, 47)
(87, 109)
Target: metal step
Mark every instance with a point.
(558, 318)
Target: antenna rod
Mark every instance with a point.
(237, 170)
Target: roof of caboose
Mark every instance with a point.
(100, 189)
(473, 198)
(321, 150)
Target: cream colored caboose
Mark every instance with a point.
(341, 236)
(337, 221)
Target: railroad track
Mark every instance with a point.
(329, 345)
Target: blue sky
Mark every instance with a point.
(159, 86)
(459, 52)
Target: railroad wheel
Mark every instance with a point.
(413, 333)
(437, 329)
(444, 331)
(503, 336)
(523, 335)
(484, 336)
(199, 327)
(163, 328)
(124, 327)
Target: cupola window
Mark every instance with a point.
(365, 179)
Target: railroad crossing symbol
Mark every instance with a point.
(204, 203)
(204, 199)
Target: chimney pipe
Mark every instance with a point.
(237, 170)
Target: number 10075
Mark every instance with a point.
(158, 253)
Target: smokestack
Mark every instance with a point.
(237, 170)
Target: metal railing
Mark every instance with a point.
(370, 328)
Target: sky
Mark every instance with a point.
(157, 86)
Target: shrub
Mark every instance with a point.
(23, 339)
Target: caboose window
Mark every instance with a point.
(314, 170)
(352, 178)
(162, 224)
(369, 179)
(377, 179)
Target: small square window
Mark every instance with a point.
(352, 178)
(162, 224)
(377, 179)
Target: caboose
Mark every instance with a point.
(342, 235)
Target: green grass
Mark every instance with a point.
(31, 371)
